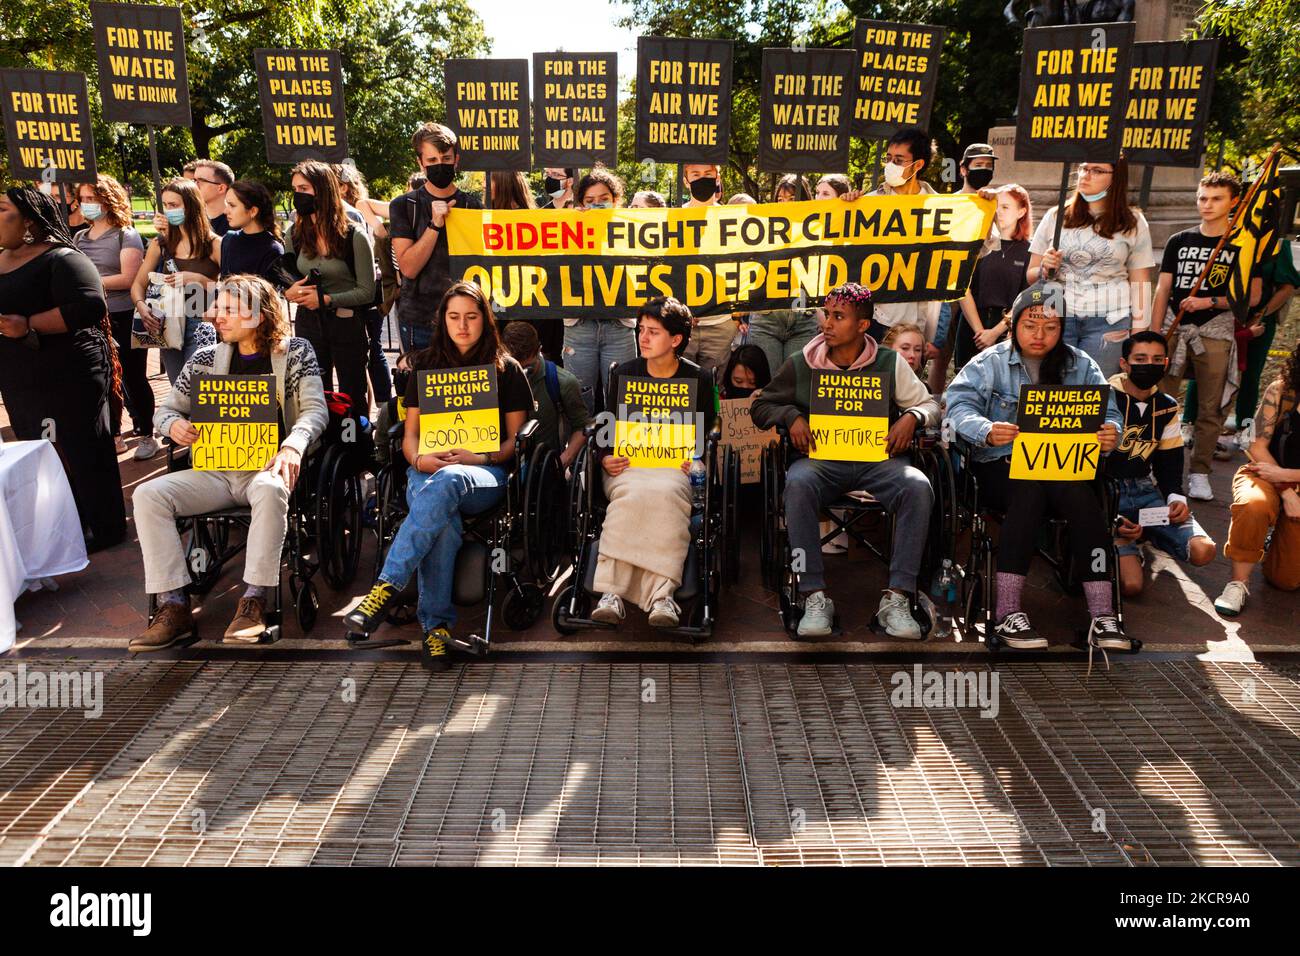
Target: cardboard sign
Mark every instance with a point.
(459, 408)
(47, 126)
(897, 75)
(654, 425)
(804, 122)
(1058, 432)
(744, 437)
(1170, 87)
(575, 109)
(237, 418)
(849, 416)
(303, 112)
(141, 53)
(1073, 93)
(487, 106)
(683, 100)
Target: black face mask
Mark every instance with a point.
(704, 188)
(979, 178)
(553, 185)
(441, 175)
(1146, 374)
(304, 204)
(400, 378)
(735, 391)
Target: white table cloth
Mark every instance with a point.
(40, 533)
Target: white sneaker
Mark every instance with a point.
(665, 613)
(1230, 423)
(1233, 598)
(1189, 436)
(609, 610)
(147, 448)
(818, 615)
(1198, 487)
(895, 616)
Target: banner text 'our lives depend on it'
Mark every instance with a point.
(540, 264)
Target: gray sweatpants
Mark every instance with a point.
(904, 491)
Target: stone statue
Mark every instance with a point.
(1051, 13)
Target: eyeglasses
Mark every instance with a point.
(1086, 170)
(210, 182)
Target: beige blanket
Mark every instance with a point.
(646, 534)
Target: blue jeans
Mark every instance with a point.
(427, 542)
(381, 381)
(1175, 539)
(782, 334)
(1085, 332)
(173, 360)
(946, 310)
(590, 347)
(414, 336)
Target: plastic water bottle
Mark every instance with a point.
(699, 475)
(945, 592)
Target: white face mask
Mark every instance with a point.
(894, 175)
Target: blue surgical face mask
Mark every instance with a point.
(1094, 197)
(600, 205)
(174, 216)
(92, 211)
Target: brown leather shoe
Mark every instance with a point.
(172, 623)
(249, 624)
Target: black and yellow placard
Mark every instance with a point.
(1073, 92)
(575, 109)
(806, 101)
(1058, 432)
(897, 74)
(459, 408)
(47, 125)
(654, 425)
(544, 264)
(1170, 87)
(683, 100)
(237, 418)
(303, 111)
(848, 413)
(487, 106)
(141, 53)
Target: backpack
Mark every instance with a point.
(553, 384)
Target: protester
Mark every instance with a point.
(1279, 280)
(746, 374)
(56, 356)
(336, 294)
(832, 186)
(1104, 261)
(709, 344)
(648, 199)
(252, 245)
(704, 183)
(1148, 463)
(370, 214)
(557, 191)
(791, 188)
(999, 276)
(982, 402)
(903, 490)
(253, 326)
(214, 180)
(592, 345)
(117, 250)
(908, 341)
(444, 485)
(741, 199)
(556, 391)
(1265, 496)
(186, 253)
(416, 221)
(642, 561)
(509, 191)
(1205, 339)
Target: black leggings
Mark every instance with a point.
(1027, 504)
(341, 345)
(135, 379)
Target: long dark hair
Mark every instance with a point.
(329, 221)
(1118, 217)
(753, 358)
(196, 229)
(256, 196)
(1289, 373)
(442, 351)
(510, 191)
(1055, 363)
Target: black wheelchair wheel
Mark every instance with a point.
(730, 544)
(306, 606)
(561, 608)
(522, 606)
(544, 514)
(341, 527)
(577, 498)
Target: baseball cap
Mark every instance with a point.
(975, 150)
(1049, 294)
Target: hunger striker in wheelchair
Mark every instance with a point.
(519, 540)
(978, 574)
(711, 561)
(847, 516)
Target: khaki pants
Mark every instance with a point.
(1211, 369)
(1256, 507)
(710, 346)
(158, 503)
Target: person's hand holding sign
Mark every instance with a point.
(1108, 436)
(1002, 433)
(900, 435)
(1178, 512)
(802, 437)
(285, 464)
(1051, 261)
(614, 465)
(160, 224)
(183, 433)
(438, 212)
(1128, 530)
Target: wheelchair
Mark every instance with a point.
(977, 575)
(712, 561)
(519, 543)
(853, 514)
(323, 527)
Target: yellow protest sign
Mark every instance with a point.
(1058, 432)
(654, 425)
(237, 419)
(459, 408)
(849, 416)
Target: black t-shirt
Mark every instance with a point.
(220, 224)
(1185, 256)
(408, 218)
(253, 253)
(1000, 276)
(513, 391)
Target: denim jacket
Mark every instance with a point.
(987, 390)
